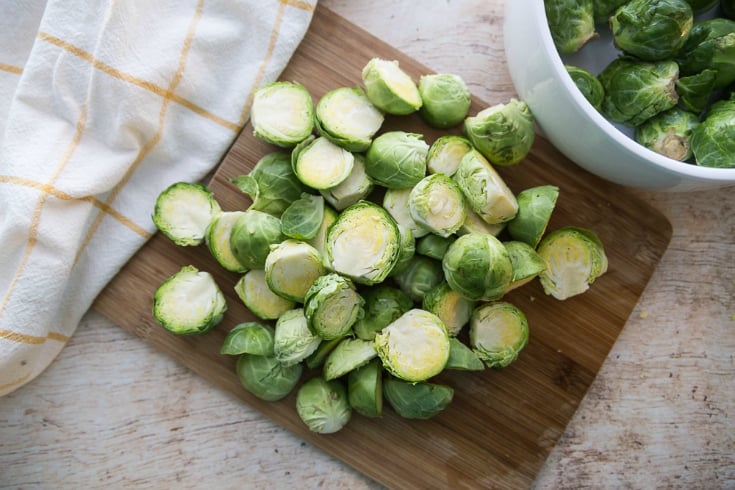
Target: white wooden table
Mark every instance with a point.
(113, 412)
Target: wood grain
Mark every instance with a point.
(502, 424)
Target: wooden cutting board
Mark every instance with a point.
(502, 424)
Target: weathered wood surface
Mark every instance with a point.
(113, 410)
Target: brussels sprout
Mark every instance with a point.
(364, 243)
(365, 389)
(416, 400)
(503, 133)
(397, 159)
(473, 223)
(320, 164)
(695, 91)
(422, 274)
(637, 90)
(669, 133)
(293, 341)
(445, 154)
(303, 218)
(498, 332)
(217, 239)
(710, 45)
(271, 184)
(535, 206)
(651, 30)
(316, 359)
(183, 211)
(571, 22)
(445, 99)
(395, 201)
(390, 88)
(407, 250)
(434, 246)
(319, 240)
(437, 203)
(603, 9)
(282, 113)
(332, 305)
(478, 267)
(323, 406)
(249, 338)
(291, 268)
(189, 302)
(450, 306)
(383, 305)
(485, 191)
(525, 261)
(265, 377)
(463, 358)
(349, 354)
(574, 257)
(252, 235)
(346, 116)
(415, 346)
(257, 296)
(356, 186)
(713, 141)
(588, 84)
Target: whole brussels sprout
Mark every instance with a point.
(397, 159)
(249, 338)
(588, 84)
(651, 30)
(713, 141)
(323, 405)
(416, 400)
(503, 133)
(571, 22)
(252, 236)
(478, 267)
(266, 377)
(421, 275)
(293, 341)
(445, 99)
(669, 133)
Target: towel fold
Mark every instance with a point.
(103, 104)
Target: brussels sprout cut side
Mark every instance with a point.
(282, 113)
(183, 212)
(498, 332)
(389, 88)
(320, 164)
(348, 118)
(253, 290)
(332, 306)
(291, 268)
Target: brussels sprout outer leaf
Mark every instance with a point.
(303, 217)
(349, 354)
(462, 357)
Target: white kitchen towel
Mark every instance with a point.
(104, 104)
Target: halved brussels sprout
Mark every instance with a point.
(183, 212)
(498, 332)
(355, 187)
(395, 201)
(407, 251)
(249, 338)
(445, 154)
(637, 90)
(217, 240)
(383, 305)
(710, 45)
(271, 184)
(651, 30)
(364, 243)
(257, 296)
(252, 235)
(346, 116)
(473, 223)
(291, 268)
(486, 192)
(713, 141)
(421, 274)
(445, 99)
(434, 246)
(478, 267)
(450, 306)
(365, 389)
(669, 133)
(189, 302)
(526, 263)
(293, 341)
(303, 217)
(320, 239)
(390, 88)
(320, 164)
(282, 113)
(416, 400)
(349, 354)
(316, 359)
(587, 83)
(332, 306)
(415, 346)
(462, 357)
(437, 203)
(574, 257)
(535, 206)
(267, 378)
(571, 22)
(323, 406)
(397, 159)
(503, 133)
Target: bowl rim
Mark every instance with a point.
(671, 165)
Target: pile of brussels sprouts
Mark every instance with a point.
(365, 254)
(674, 79)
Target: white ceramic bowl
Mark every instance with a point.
(570, 122)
